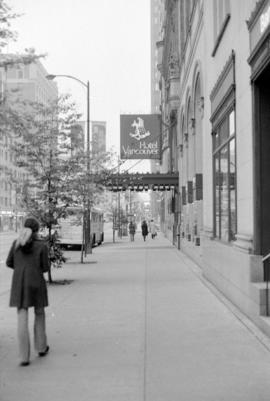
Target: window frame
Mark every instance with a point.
(216, 157)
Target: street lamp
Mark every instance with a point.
(88, 239)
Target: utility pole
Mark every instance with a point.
(119, 217)
(88, 220)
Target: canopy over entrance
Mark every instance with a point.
(142, 182)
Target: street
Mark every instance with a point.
(139, 323)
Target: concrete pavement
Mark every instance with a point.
(138, 323)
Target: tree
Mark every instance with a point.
(44, 150)
(7, 35)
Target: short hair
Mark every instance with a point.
(32, 222)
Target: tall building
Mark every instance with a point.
(215, 94)
(98, 137)
(26, 82)
(77, 137)
(156, 40)
(156, 15)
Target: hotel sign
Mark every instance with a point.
(140, 136)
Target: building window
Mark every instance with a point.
(224, 156)
(221, 17)
(224, 153)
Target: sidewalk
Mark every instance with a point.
(138, 323)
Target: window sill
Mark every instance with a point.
(221, 33)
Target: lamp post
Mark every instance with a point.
(88, 239)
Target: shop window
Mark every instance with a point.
(224, 179)
(224, 155)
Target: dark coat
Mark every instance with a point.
(28, 286)
(144, 229)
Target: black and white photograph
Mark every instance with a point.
(135, 200)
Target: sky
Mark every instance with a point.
(104, 41)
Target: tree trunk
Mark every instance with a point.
(50, 274)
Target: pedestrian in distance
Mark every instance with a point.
(144, 229)
(29, 259)
(132, 230)
(153, 229)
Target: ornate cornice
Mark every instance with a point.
(223, 73)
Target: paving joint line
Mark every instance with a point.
(145, 325)
(245, 320)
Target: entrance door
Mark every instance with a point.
(262, 163)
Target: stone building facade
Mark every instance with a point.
(215, 97)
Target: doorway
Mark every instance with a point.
(262, 162)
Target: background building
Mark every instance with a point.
(24, 82)
(157, 16)
(98, 137)
(77, 137)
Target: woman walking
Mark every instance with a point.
(144, 230)
(28, 257)
(153, 229)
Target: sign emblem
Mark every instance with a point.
(140, 136)
(140, 131)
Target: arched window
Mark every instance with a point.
(198, 127)
(174, 150)
(183, 163)
(190, 161)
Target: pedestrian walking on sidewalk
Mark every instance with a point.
(144, 230)
(29, 259)
(153, 229)
(132, 230)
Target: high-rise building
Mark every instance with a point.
(28, 82)
(77, 136)
(98, 137)
(156, 15)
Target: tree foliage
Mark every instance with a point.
(7, 35)
(44, 150)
